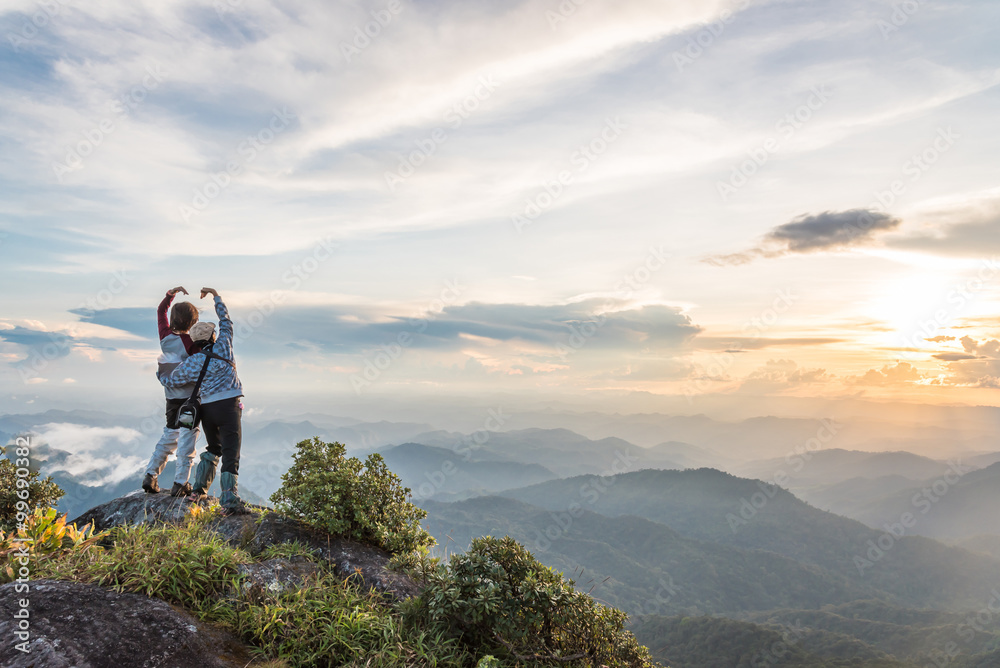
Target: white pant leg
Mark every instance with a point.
(185, 454)
(164, 448)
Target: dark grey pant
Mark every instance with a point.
(221, 422)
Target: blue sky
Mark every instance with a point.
(634, 196)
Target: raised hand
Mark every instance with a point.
(208, 291)
(174, 291)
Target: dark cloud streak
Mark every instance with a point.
(134, 320)
(333, 331)
(830, 230)
(338, 329)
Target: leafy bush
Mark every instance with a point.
(498, 598)
(342, 496)
(418, 564)
(21, 495)
(43, 534)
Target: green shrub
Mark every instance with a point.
(342, 496)
(21, 495)
(498, 599)
(331, 622)
(418, 564)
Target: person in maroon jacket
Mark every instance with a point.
(175, 346)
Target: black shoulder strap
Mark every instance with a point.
(210, 354)
(201, 377)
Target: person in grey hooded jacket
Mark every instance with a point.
(221, 408)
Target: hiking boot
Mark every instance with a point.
(180, 490)
(196, 497)
(238, 509)
(229, 486)
(150, 485)
(204, 474)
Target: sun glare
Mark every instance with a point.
(914, 308)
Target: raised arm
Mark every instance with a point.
(161, 315)
(224, 342)
(162, 323)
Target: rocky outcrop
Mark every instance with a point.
(258, 531)
(133, 509)
(87, 626)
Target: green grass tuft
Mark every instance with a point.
(288, 550)
(187, 565)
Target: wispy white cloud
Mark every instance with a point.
(94, 455)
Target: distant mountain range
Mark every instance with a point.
(715, 564)
(789, 565)
(932, 431)
(713, 506)
(795, 641)
(18, 423)
(561, 451)
(831, 466)
(432, 472)
(947, 507)
(642, 566)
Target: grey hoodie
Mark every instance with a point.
(221, 381)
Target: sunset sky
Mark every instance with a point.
(410, 197)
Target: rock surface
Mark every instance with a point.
(276, 575)
(133, 509)
(87, 626)
(255, 534)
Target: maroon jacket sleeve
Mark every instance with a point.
(189, 345)
(161, 317)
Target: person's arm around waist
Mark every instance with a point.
(185, 373)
